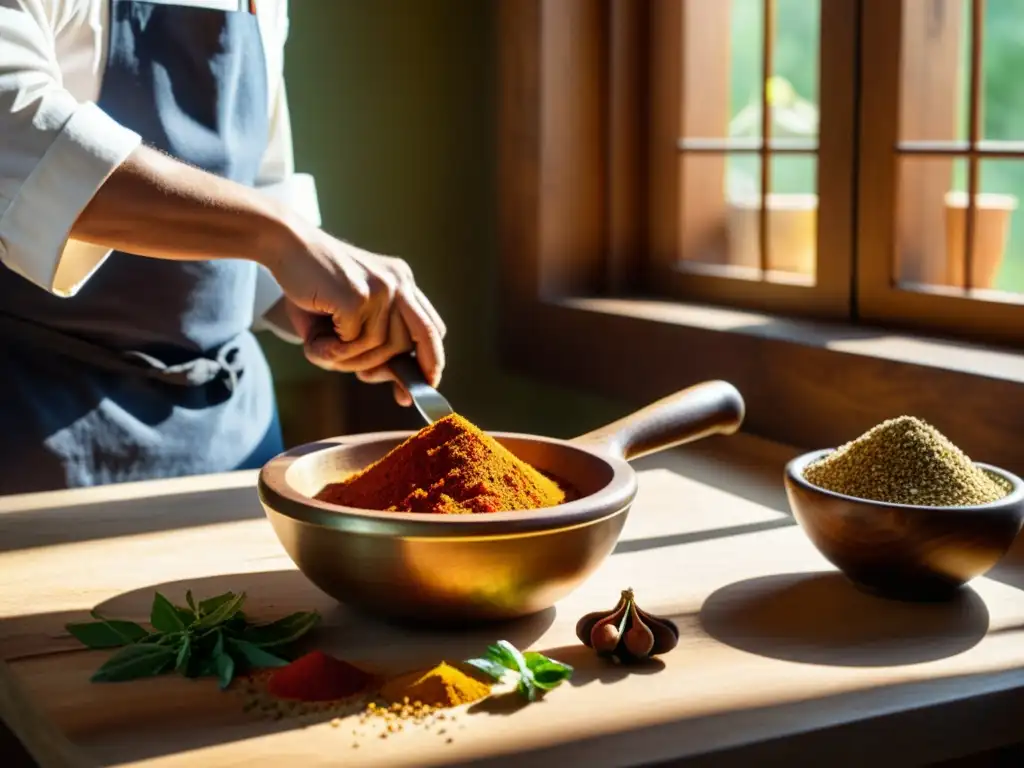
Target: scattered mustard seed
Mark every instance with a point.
(905, 461)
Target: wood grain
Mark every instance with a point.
(709, 543)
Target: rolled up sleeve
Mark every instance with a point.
(55, 153)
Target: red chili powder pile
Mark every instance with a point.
(450, 467)
(317, 677)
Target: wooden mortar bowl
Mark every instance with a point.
(463, 569)
(902, 551)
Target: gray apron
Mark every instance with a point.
(151, 370)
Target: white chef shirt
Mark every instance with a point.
(57, 147)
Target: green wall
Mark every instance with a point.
(393, 108)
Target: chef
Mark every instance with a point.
(150, 220)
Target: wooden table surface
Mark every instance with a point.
(779, 659)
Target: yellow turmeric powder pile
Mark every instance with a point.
(449, 467)
(441, 687)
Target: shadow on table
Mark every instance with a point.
(144, 719)
(106, 520)
(588, 669)
(820, 618)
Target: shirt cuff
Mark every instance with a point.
(35, 230)
(298, 192)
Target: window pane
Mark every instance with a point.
(745, 57)
(1003, 65)
(723, 75)
(721, 232)
(794, 90)
(935, 80)
(704, 230)
(928, 190)
(710, 62)
(933, 221)
(998, 230)
(793, 216)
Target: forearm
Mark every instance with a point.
(153, 205)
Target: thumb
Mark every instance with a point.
(348, 325)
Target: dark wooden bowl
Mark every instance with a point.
(901, 551)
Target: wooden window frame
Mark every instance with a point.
(888, 119)
(576, 188)
(684, 36)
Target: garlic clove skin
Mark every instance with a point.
(585, 627)
(665, 631)
(638, 640)
(605, 637)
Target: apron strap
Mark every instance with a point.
(226, 365)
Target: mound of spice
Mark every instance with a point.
(905, 461)
(318, 677)
(443, 686)
(449, 467)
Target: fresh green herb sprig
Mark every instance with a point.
(537, 673)
(207, 638)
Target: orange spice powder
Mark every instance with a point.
(450, 467)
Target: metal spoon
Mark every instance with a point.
(428, 401)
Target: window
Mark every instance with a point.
(636, 150)
(942, 166)
(852, 160)
(751, 101)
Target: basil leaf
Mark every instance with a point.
(500, 654)
(225, 669)
(526, 686)
(134, 661)
(254, 655)
(106, 633)
(281, 632)
(489, 667)
(164, 616)
(548, 676)
(536, 660)
(191, 602)
(184, 656)
(224, 611)
(547, 673)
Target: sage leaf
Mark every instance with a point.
(210, 604)
(134, 661)
(106, 633)
(184, 655)
(225, 669)
(281, 632)
(254, 655)
(218, 646)
(223, 612)
(164, 616)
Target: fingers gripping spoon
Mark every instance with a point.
(428, 401)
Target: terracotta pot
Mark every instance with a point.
(993, 214)
(792, 233)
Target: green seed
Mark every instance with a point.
(906, 461)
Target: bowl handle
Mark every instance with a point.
(712, 407)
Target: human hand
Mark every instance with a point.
(355, 310)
